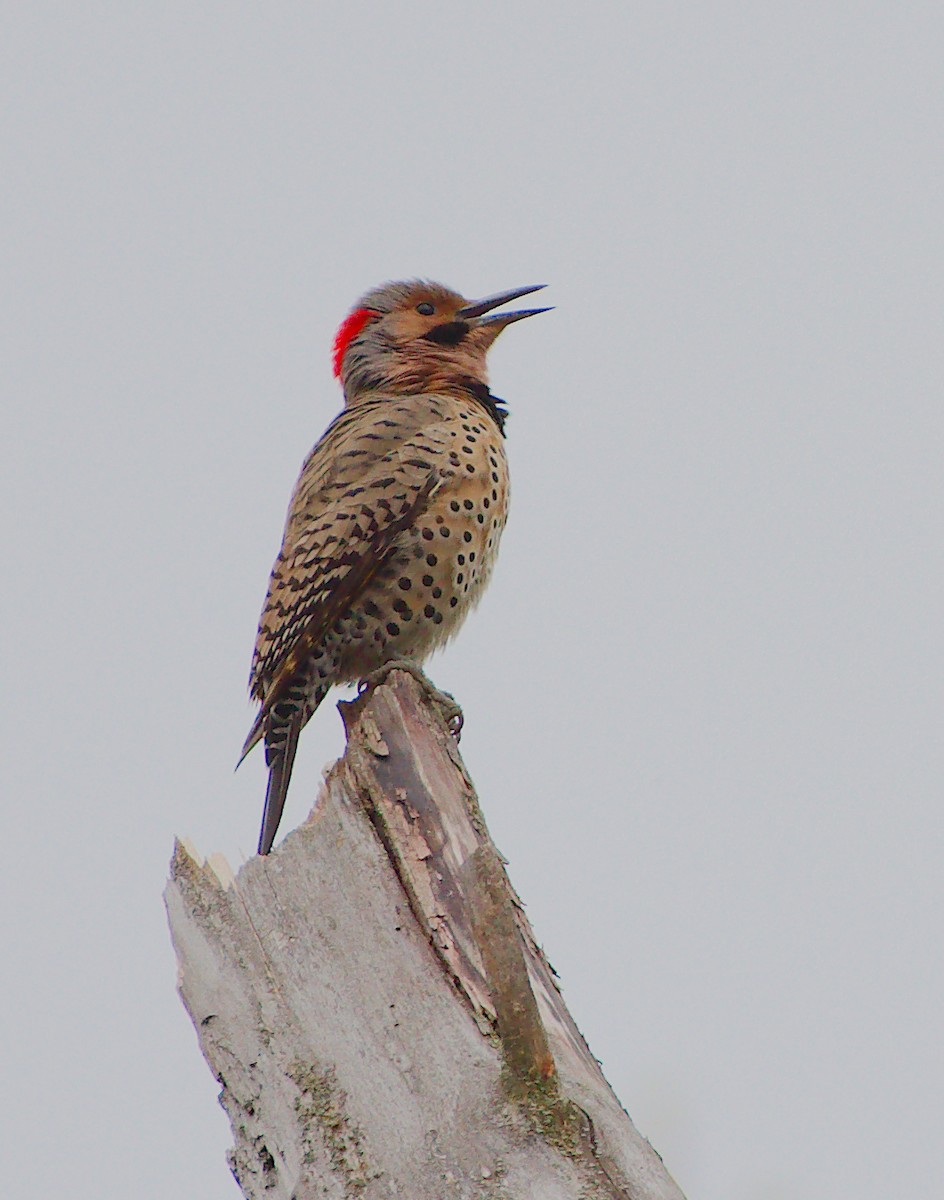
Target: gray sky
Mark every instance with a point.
(704, 694)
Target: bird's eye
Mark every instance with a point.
(425, 309)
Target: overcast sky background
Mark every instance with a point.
(703, 695)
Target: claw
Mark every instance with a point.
(449, 710)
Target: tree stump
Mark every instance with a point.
(373, 1002)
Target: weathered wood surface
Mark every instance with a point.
(372, 1000)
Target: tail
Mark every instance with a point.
(255, 735)
(281, 744)
(280, 724)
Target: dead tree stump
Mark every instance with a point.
(372, 1000)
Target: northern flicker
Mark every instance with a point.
(394, 524)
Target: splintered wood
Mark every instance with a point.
(375, 1007)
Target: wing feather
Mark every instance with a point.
(367, 480)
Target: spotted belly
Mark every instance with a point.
(438, 569)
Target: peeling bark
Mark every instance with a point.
(373, 1002)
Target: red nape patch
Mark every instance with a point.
(350, 328)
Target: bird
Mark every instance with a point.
(394, 524)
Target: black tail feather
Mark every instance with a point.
(280, 755)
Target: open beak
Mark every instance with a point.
(498, 321)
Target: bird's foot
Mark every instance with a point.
(448, 708)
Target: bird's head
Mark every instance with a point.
(418, 336)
